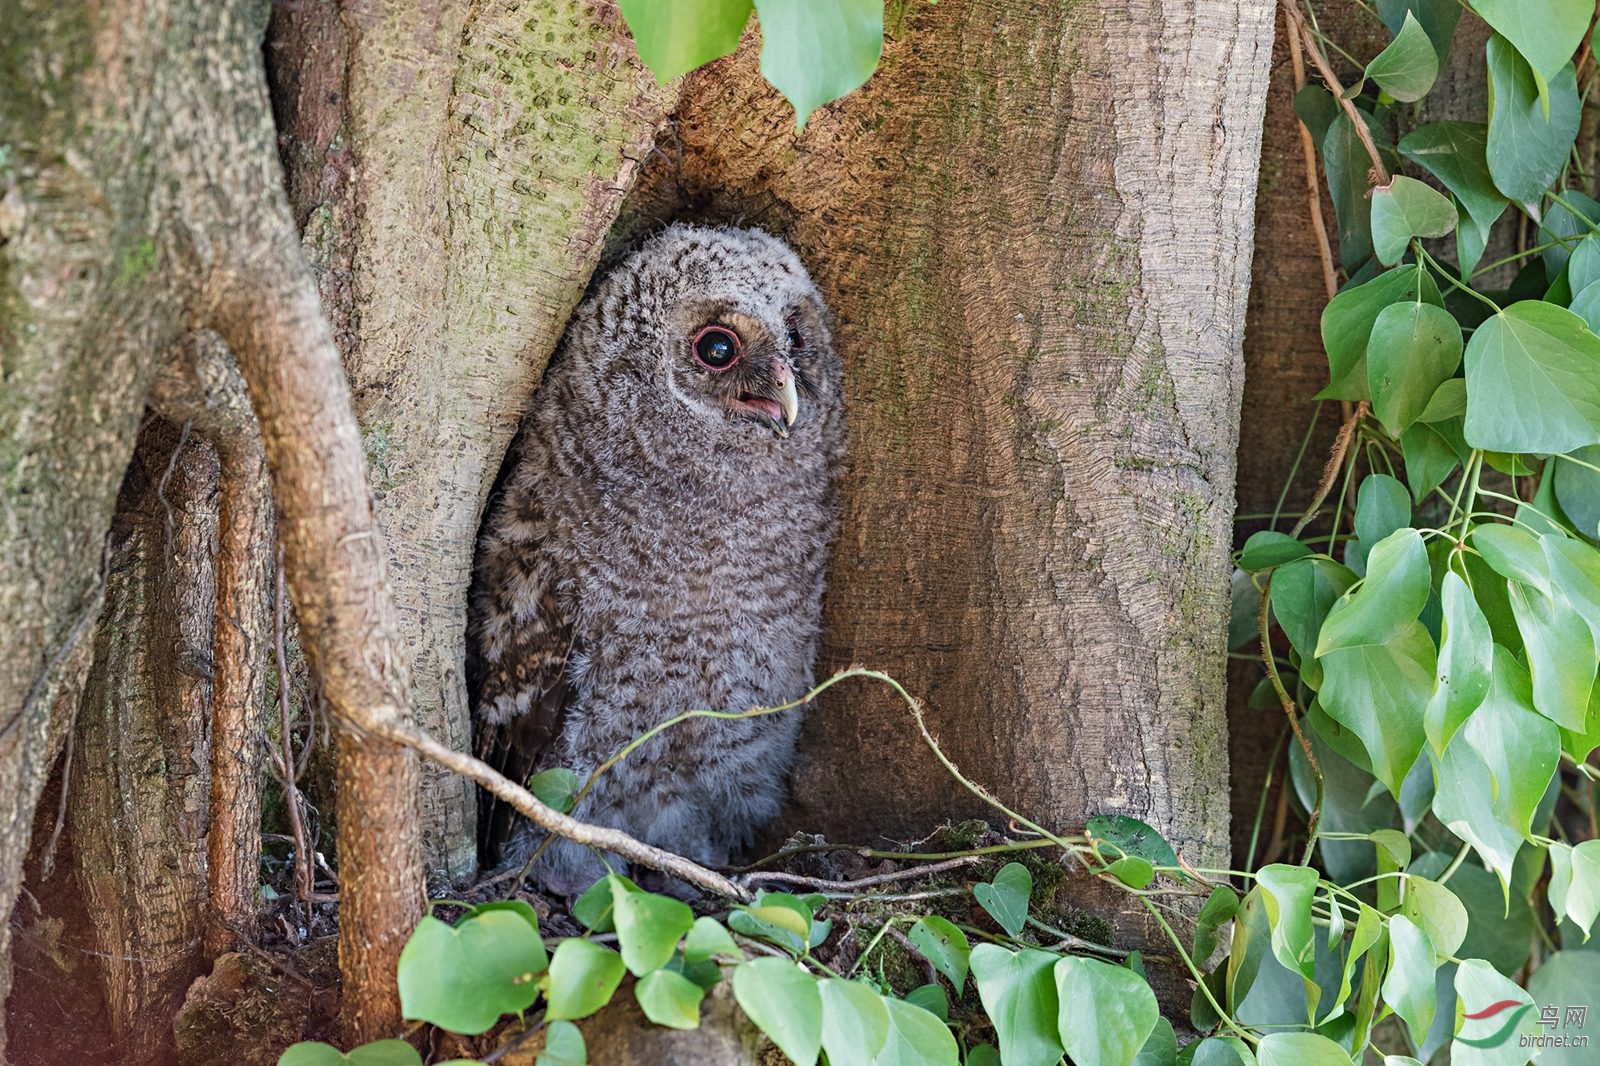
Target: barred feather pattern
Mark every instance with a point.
(655, 549)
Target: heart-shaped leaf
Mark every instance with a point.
(783, 1000)
(583, 975)
(464, 978)
(669, 999)
(1406, 208)
(1006, 897)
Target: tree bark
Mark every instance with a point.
(201, 388)
(1034, 228)
(456, 167)
(87, 291)
(143, 196)
(138, 791)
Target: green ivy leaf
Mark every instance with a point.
(1133, 837)
(1219, 907)
(556, 789)
(1408, 988)
(1018, 992)
(1347, 324)
(1368, 933)
(1106, 1013)
(1561, 654)
(1429, 459)
(1512, 553)
(815, 51)
(782, 998)
(1574, 890)
(1577, 487)
(1406, 69)
(1465, 652)
(1569, 978)
(1006, 898)
(1300, 1049)
(1387, 601)
(669, 999)
(1268, 548)
(1545, 32)
(915, 1038)
(1435, 910)
(1438, 18)
(706, 938)
(1414, 348)
(1132, 871)
(942, 944)
(1161, 1049)
(583, 976)
(983, 1055)
(1457, 154)
(464, 978)
(1403, 209)
(1302, 594)
(675, 38)
(855, 1022)
(1287, 893)
(1349, 168)
(1218, 1051)
(1533, 381)
(1495, 771)
(1564, 224)
(648, 928)
(1478, 987)
(778, 918)
(377, 1053)
(1528, 145)
(563, 1046)
(595, 908)
(1383, 506)
(1380, 692)
(1583, 268)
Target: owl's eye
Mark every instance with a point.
(717, 348)
(797, 340)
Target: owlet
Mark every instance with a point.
(658, 544)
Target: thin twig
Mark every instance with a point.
(304, 871)
(48, 864)
(1380, 173)
(386, 724)
(822, 884)
(1308, 149)
(1330, 472)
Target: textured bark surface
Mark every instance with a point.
(456, 167)
(200, 387)
(143, 196)
(80, 313)
(1034, 227)
(138, 792)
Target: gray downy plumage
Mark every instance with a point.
(658, 545)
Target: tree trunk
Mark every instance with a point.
(1034, 228)
(456, 168)
(143, 197)
(139, 780)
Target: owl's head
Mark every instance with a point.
(726, 331)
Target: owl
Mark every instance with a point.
(658, 544)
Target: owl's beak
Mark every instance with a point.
(778, 402)
(789, 399)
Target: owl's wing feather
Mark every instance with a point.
(522, 642)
